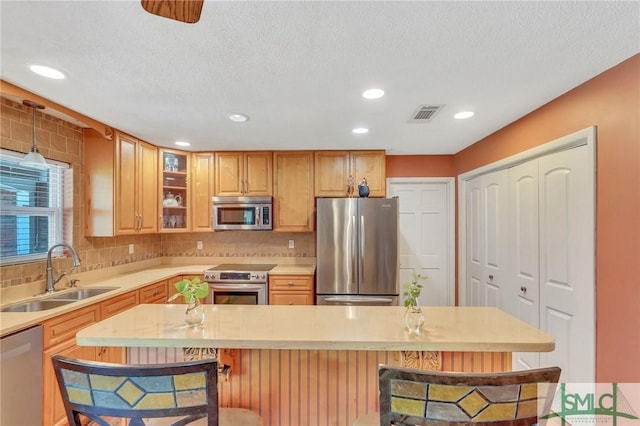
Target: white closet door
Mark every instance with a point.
(426, 236)
(522, 290)
(487, 262)
(475, 252)
(567, 256)
(495, 193)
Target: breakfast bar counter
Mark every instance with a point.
(370, 328)
(317, 365)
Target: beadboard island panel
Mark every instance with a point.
(317, 365)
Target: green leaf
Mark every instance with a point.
(182, 286)
(191, 290)
(202, 290)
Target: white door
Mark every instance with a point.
(550, 281)
(522, 291)
(486, 203)
(495, 237)
(426, 236)
(567, 261)
(475, 252)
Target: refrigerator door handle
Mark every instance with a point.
(361, 249)
(358, 299)
(354, 250)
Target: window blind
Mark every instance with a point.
(31, 208)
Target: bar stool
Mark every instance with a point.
(152, 394)
(410, 396)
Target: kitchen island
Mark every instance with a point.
(317, 365)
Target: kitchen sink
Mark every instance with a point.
(80, 294)
(54, 301)
(36, 305)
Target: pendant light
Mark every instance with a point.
(34, 158)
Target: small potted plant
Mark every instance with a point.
(413, 316)
(192, 291)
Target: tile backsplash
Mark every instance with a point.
(239, 244)
(62, 141)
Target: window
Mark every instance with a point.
(32, 208)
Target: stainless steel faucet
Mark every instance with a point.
(51, 280)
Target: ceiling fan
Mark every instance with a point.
(180, 10)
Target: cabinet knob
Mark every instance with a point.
(290, 282)
(523, 289)
(491, 277)
(290, 303)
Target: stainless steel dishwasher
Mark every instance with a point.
(21, 378)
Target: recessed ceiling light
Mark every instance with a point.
(47, 72)
(464, 114)
(238, 118)
(360, 130)
(373, 93)
(182, 143)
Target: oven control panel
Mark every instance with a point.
(236, 277)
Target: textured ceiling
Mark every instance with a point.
(298, 68)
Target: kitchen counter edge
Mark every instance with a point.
(12, 322)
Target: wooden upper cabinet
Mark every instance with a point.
(293, 200)
(173, 199)
(121, 185)
(148, 188)
(136, 186)
(243, 173)
(335, 170)
(372, 166)
(201, 186)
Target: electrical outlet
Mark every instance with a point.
(292, 244)
(130, 248)
(199, 245)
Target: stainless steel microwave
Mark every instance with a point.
(242, 213)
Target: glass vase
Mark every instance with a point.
(414, 319)
(194, 315)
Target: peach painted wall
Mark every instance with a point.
(419, 165)
(611, 101)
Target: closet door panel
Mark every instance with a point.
(474, 242)
(567, 259)
(494, 212)
(522, 291)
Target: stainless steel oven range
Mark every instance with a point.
(238, 284)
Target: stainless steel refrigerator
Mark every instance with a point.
(357, 251)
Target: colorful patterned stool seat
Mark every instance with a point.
(419, 397)
(153, 394)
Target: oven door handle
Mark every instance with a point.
(235, 287)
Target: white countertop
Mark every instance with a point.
(148, 272)
(318, 327)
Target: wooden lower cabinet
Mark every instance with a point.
(53, 413)
(118, 304)
(291, 290)
(154, 293)
(59, 338)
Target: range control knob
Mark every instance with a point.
(263, 276)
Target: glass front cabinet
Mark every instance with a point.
(174, 168)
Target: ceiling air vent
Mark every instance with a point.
(425, 113)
